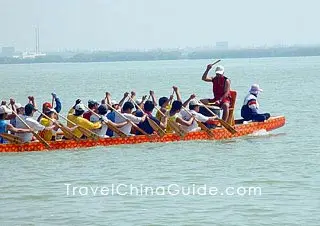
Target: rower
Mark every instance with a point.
(92, 105)
(48, 135)
(250, 107)
(145, 125)
(175, 117)
(115, 105)
(75, 116)
(18, 108)
(221, 90)
(194, 107)
(29, 110)
(165, 102)
(5, 126)
(102, 111)
(127, 113)
(46, 107)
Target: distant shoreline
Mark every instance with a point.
(155, 55)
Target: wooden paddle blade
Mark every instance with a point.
(227, 126)
(39, 138)
(11, 138)
(203, 127)
(156, 127)
(223, 123)
(177, 128)
(68, 132)
(116, 130)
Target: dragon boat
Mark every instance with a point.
(219, 133)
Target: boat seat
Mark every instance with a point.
(230, 119)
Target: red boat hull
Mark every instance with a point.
(218, 134)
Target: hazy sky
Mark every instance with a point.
(145, 24)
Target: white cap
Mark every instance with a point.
(194, 103)
(220, 70)
(79, 107)
(255, 89)
(138, 101)
(113, 102)
(4, 109)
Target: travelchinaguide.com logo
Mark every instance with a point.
(168, 190)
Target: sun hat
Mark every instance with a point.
(219, 70)
(4, 109)
(255, 89)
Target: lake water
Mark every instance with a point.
(37, 188)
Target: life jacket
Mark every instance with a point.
(250, 107)
(218, 86)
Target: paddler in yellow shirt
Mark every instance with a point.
(75, 116)
(175, 117)
(48, 135)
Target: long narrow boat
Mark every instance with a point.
(219, 133)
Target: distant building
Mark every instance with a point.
(222, 45)
(7, 51)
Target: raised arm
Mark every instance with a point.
(205, 74)
(32, 101)
(154, 100)
(192, 96)
(176, 90)
(58, 102)
(125, 95)
(107, 99)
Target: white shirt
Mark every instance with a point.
(34, 124)
(194, 126)
(103, 130)
(126, 129)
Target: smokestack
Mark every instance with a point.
(37, 39)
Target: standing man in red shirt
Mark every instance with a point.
(221, 90)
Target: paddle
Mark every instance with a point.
(88, 133)
(132, 123)
(223, 123)
(113, 128)
(173, 125)
(170, 102)
(52, 101)
(217, 61)
(152, 123)
(11, 138)
(64, 129)
(32, 131)
(200, 124)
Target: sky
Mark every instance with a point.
(150, 24)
